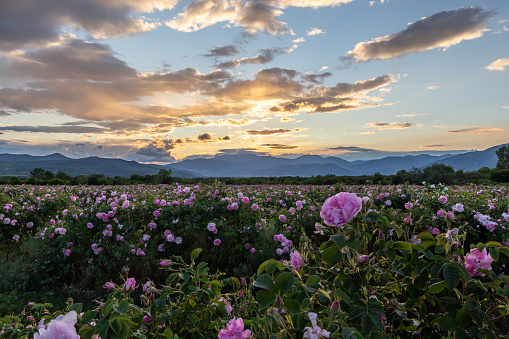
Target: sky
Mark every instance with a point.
(162, 80)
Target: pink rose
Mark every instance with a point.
(60, 327)
(363, 258)
(340, 208)
(235, 329)
(475, 260)
(217, 242)
(130, 284)
(109, 286)
(295, 260)
(442, 199)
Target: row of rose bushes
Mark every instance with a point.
(372, 278)
(82, 234)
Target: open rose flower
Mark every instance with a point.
(475, 260)
(234, 330)
(340, 208)
(62, 327)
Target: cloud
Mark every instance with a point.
(431, 87)
(70, 59)
(205, 137)
(317, 78)
(476, 130)
(279, 146)
(30, 23)
(432, 146)
(308, 3)
(390, 125)
(342, 96)
(4, 113)
(253, 16)
(274, 131)
(498, 65)
(315, 31)
(264, 56)
(53, 129)
(352, 149)
(223, 51)
(440, 30)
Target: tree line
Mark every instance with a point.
(433, 174)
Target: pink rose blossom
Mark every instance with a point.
(130, 284)
(363, 258)
(234, 330)
(125, 204)
(282, 218)
(217, 242)
(109, 286)
(409, 205)
(295, 260)
(442, 199)
(475, 260)
(61, 327)
(340, 208)
(164, 263)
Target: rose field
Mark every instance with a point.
(225, 261)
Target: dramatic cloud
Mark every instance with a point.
(498, 65)
(70, 59)
(353, 149)
(440, 30)
(204, 137)
(317, 78)
(4, 113)
(274, 131)
(253, 16)
(476, 130)
(342, 96)
(29, 23)
(308, 3)
(390, 125)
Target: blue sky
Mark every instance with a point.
(158, 80)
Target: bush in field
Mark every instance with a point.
(500, 175)
(373, 278)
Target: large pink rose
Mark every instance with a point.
(475, 260)
(341, 208)
(62, 327)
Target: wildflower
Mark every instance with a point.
(476, 260)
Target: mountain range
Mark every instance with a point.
(244, 165)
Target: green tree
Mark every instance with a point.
(37, 173)
(503, 157)
(48, 175)
(62, 176)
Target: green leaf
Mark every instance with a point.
(402, 246)
(271, 266)
(493, 244)
(332, 255)
(447, 323)
(367, 325)
(116, 325)
(495, 253)
(88, 317)
(168, 333)
(463, 319)
(452, 276)
(262, 266)
(122, 307)
(201, 265)
(504, 250)
(76, 307)
(265, 298)
(292, 306)
(313, 281)
(372, 216)
(108, 307)
(195, 253)
(264, 281)
(339, 240)
(437, 287)
(284, 282)
(471, 305)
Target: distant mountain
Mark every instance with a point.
(245, 165)
(22, 164)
